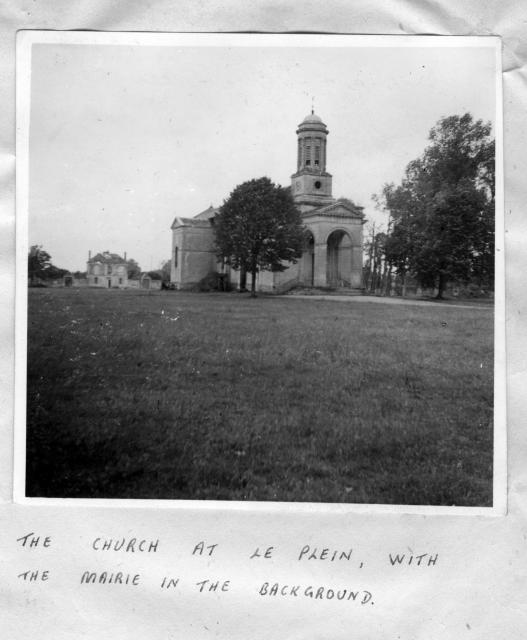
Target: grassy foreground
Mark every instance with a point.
(219, 396)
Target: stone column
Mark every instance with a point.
(320, 267)
(356, 266)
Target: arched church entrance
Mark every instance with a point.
(339, 259)
(308, 261)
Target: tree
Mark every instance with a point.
(442, 213)
(376, 264)
(133, 269)
(259, 228)
(56, 273)
(155, 275)
(399, 241)
(38, 263)
(165, 271)
(39, 266)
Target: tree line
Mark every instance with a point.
(441, 215)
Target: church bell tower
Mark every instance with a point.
(311, 184)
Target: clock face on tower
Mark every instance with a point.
(318, 184)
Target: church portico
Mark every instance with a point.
(337, 250)
(335, 263)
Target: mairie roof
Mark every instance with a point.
(107, 258)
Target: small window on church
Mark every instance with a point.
(308, 156)
(96, 280)
(175, 257)
(317, 156)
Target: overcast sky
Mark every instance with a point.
(124, 138)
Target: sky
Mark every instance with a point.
(123, 138)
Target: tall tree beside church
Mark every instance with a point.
(442, 213)
(259, 228)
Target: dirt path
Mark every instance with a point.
(384, 300)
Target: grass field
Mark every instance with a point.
(219, 396)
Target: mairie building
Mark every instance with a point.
(107, 270)
(332, 255)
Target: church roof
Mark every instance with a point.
(189, 222)
(107, 258)
(207, 214)
(199, 220)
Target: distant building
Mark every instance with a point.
(144, 281)
(107, 270)
(332, 256)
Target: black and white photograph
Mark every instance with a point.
(260, 269)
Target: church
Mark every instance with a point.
(332, 257)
